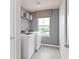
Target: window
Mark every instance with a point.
(43, 25)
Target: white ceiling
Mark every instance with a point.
(31, 5)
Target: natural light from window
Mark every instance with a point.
(43, 25)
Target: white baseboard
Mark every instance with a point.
(50, 45)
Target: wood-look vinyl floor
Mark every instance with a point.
(46, 52)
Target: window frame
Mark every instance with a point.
(43, 25)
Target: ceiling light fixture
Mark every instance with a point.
(38, 4)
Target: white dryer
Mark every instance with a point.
(37, 40)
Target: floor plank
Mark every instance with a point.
(47, 53)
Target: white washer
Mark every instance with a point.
(27, 46)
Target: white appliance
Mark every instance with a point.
(37, 40)
(27, 46)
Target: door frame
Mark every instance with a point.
(15, 14)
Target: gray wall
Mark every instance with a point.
(53, 39)
(25, 24)
(34, 23)
(54, 29)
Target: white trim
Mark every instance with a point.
(50, 45)
(61, 54)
